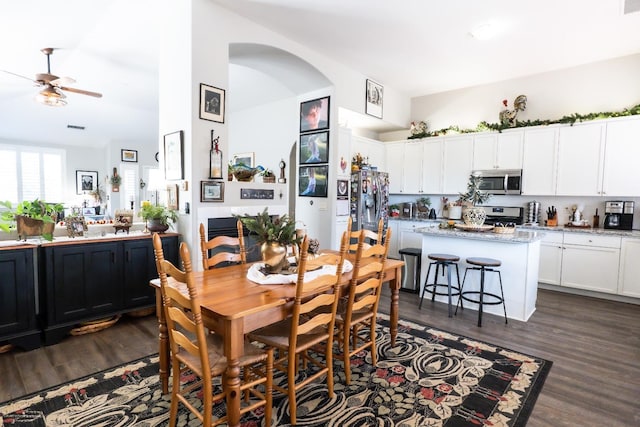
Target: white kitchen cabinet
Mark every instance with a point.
(498, 150)
(580, 159)
(432, 166)
(629, 280)
(395, 165)
(590, 262)
(373, 151)
(412, 165)
(458, 163)
(407, 236)
(539, 161)
(622, 158)
(550, 268)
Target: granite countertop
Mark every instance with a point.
(519, 236)
(599, 231)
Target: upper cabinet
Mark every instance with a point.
(498, 150)
(622, 158)
(413, 168)
(433, 165)
(372, 151)
(458, 163)
(395, 165)
(539, 161)
(580, 159)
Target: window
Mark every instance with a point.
(129, 186)
(29, 173)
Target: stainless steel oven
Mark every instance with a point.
(501, 181)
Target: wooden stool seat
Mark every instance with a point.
(444, 261)
(444, 257)
(486, 262)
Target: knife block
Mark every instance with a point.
(552, 222)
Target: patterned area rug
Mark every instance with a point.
(430, 378)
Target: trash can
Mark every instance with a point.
(412, 258)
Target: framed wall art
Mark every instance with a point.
(212, 191)
(313, 181)
(75, 226)
(129, 156)
(314, 148)
(173, 163)
(247, 159)
(172, 197)
(86, 181)
(374, 95)
(212, 103)
(314, 115)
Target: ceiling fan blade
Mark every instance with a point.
(62, 81)
(21, 76)
(80, 91)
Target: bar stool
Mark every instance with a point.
(445, 261)
(483, 265)
(417, 253)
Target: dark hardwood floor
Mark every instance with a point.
(594, 345)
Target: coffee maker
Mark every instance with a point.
(618, 215)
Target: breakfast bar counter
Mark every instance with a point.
(519, 253)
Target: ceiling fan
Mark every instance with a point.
(53, 86)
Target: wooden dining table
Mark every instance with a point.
(233, 305)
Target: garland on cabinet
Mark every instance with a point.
(571, 119)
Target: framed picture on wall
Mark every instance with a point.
(247, 159)
(313, 181)
(314, 115)
(129, 156)
(212, 191)
(211, 103)
(314, 148)
(86, 181)
(373, 103)
(172, 197)
(173, 156)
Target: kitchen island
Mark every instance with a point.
(520, 256)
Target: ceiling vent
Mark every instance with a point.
(75, 127)
(631, 6)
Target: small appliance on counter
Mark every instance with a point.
(533, 213)
(618, 215)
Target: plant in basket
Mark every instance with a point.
(30, 218)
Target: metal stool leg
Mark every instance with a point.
(448, 267)
(424, 289)
(481, 296)
(504, 305)
(461, 287)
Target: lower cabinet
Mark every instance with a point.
(630, 268)
(550, 268)
(18, 322)
(88, 281)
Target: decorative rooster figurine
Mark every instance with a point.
(508, 117)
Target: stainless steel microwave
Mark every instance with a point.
(501, 181)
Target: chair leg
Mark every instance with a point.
(173, 408)
(372, 340)
(345, 354)
(268, 388)
(291, 382)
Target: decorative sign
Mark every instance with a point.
(253, 193)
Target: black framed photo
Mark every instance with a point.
(374, 95)
(212, 103)
(86, 181)
(173, 162)
(314, 115)
(212, 191)
(172, 197)
(313, 181)
(129, 156)
(314, 148)
(342, 189)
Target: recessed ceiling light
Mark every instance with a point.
(484, 31)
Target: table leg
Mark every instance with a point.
(233, 349)
(163, 341)
(394, 286)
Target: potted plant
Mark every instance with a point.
(268, 176)
(474, 215)
(395, 210)
(32, 218)
(158, 218)
(274, 234)
(423, 204)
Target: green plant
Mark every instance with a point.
(36, 209)
(98, 194)
(115, 180)
(159, 213)
(424, 201)
(271, 229)
(474, 195)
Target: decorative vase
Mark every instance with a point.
(474, 216)
(155, 225)
(274, 256)
(455, 212)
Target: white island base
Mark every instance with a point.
(519, 254)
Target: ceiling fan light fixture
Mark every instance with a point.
(51, 97)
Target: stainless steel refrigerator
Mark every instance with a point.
(369, 199)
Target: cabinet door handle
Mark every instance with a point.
(128, 256)
(113, 257)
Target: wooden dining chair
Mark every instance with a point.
(361, 305)
(194, 350)
(307, 328)
(225, 249)
(371, 237)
